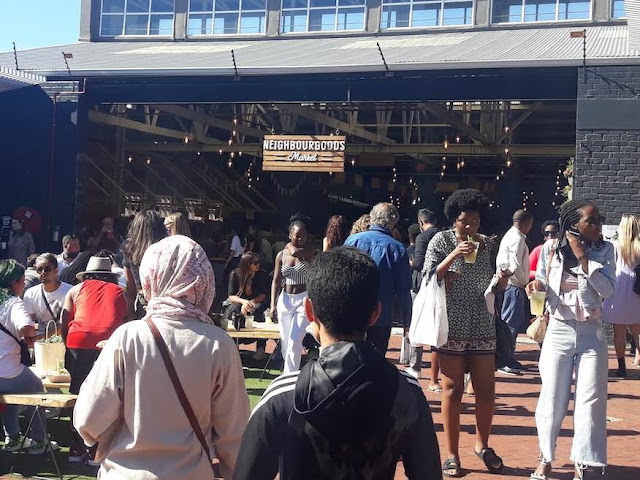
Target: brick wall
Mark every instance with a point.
(608, 140)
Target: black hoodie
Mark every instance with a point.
(350, 414)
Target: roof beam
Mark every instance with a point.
(518, 122)
(319, 117)
(456, 122)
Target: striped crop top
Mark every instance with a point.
(295, 274)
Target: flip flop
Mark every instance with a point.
(435, 388)
(489, 457)
(538, 476)
(452, 464)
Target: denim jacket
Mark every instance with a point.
(593, 287)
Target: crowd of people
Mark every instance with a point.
(137, 318)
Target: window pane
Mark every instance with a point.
(112, 6)
(252, 22)
(225, 23)
(322, 20)
(618, 9)
(426, 15)
(112, 25)
(227, 5)
(346, 3)
(294, 21)
(161, 25)
(200, 25)
(540, 10)
(134, 6)
(254, 5)
(396, 16)
(322, 3)
(294, 4)
(507, 11)
(573, 9)
(162, 6)
(201, 6)
(351, 18)
(457, 13)
(386, 2)
(136, 25)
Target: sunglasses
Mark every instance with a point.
(550, 234)
(47, 269)
(255, 263)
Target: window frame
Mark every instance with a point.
(611, 10)
(442, 3)
(149, 14)
(240, 11)
(557, 20)
(336, 9)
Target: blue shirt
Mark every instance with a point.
(395, 274)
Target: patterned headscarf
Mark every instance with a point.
(10, 271)
(177, 279)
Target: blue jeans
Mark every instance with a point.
(582, 346)
(513, 311)
(26, 382)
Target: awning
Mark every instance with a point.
(11, 79)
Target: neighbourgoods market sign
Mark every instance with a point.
(303, 153)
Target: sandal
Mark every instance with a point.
(452, 463)
(434, 388)
(489, 457)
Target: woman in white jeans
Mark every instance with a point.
(578, 273)
(292, 269)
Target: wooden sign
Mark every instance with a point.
(303, 153)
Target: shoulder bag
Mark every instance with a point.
(54, 317)
(184, 401)
(25, 356)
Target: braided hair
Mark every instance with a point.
(570, 213)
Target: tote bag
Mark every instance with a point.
(429, 322)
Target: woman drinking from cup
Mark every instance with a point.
(460, 258)
(581, 273)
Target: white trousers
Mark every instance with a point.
(579, 346)
(293, 323)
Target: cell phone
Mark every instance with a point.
(574, 232)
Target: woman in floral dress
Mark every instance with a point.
(472, 335)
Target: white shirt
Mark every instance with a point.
(13, 317)
(62, 263)
(236, 246)
(35, 305)
(513, 255)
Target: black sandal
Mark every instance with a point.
(452, 463)
(489, 457)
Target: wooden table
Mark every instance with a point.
(47, 384)
(40, 400)
(255, 333)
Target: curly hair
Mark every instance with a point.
(466, 200)
(337, 230)
(362, 224)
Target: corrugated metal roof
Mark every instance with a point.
(11, 79)
(491, 48)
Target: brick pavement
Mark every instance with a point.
(514, 432)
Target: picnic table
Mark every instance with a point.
(259, 331)
(41, 400)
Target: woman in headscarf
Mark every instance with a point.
(128, 402)
(578, 272)
(16, 325)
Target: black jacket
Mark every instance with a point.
(349, 415)
(422, 242)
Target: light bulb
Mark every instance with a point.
(198, 153)
(506, 129)
(458, 139)
(462, 163)
(186, 139)
(509, 162)
(445, 144)
(220, 151)
(353, 162)
(497, 177)
(230, 141)
(148, 160)
(230, 164)
(239, 154)
(506, 151)
(235, 121)
(130, 159)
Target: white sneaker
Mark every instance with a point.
(38, 448)
(414, 373)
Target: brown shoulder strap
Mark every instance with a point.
(184, 401)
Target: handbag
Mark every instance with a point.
(184, 401)
(405, 350)
(429, 321)
(49, 356)
(25, 355)
(538, 328)
(54, 317)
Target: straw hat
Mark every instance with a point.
(97, 265)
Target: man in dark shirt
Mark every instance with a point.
(349, 413)
(427, 221)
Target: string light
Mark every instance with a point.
(230, 164)
(458, 139)
(509, 163)
(220, 152)
(353, 162)
(235, 121)
(130, 158)
(186, 139)
(148, 160)
(446, 143)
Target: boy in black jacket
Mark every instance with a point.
(349, 414)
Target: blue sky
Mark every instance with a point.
(38, 23)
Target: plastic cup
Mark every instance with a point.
(248, 322)
(471, 257)
(537, 303)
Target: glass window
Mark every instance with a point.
(226, 17)
(136, 17)
(426, 13)
(519, 11)
(322, 15)
(617, 9)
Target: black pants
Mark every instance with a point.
(379, 338)
(258, 316)
(79, 362)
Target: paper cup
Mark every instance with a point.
(536, 302)
(471, 257)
